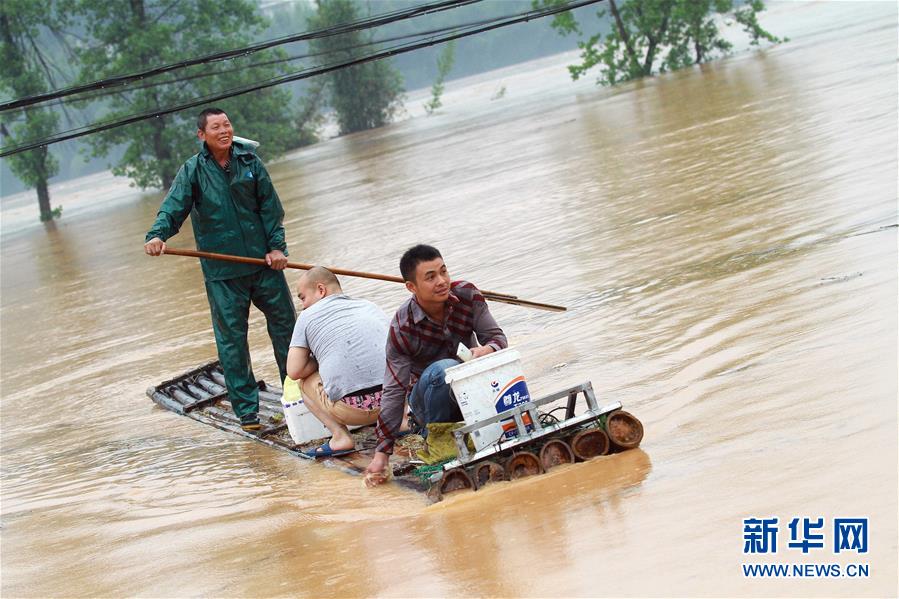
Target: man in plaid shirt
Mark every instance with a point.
(421, 345)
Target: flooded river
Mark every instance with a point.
(724, 238)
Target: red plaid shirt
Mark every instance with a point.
(415, 342)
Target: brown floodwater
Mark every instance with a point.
(724, 238)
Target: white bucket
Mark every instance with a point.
(487, 386)
(302, 425)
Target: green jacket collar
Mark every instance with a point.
(237, 149)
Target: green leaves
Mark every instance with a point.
(653, 36)
(364, 96)
(747, 16)
(444, 65)
(591, 55)
(129, 36)
(24, 71)
(563, 22)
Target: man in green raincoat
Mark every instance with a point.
(235, 210)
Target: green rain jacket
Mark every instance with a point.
(239, 214)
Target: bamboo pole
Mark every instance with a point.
(491, 295)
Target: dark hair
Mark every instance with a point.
(201, 118)
(414, 256)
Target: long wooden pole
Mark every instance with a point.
(491, 295)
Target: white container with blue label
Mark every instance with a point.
(488, 386)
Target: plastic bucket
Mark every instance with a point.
(488, 386)
(301, 424)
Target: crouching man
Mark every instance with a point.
(337, 354)
(424, 335)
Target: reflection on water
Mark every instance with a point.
(723, 236)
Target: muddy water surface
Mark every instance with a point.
(725, 240)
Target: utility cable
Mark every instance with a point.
(151, 84)
(368, 23)
(306, 73)
(230, 92)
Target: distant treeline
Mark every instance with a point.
(280, 93)
(418, 69)
(476, 54)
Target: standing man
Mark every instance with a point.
(234, 209)
(421, 344)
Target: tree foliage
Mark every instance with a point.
(655, 36)
(444, 65)
(363, 96)
(25, 71)
(130, 35)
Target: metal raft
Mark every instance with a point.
(542, 441)
(200, 394)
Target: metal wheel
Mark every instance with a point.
(625, 431)
(589, 443)
(455, 480)
(487, 472)
(523, 463)
(554, 453)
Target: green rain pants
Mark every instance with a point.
(229, 302)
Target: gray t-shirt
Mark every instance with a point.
(347, 337)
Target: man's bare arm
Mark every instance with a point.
(300, 363)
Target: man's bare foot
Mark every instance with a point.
(342, 441)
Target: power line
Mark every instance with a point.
(130, 88)
(303, 74)
(367, 23)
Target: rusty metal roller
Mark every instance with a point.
(554, 453)
(625, 431)
(487, 472)
(455, 480)
(523, 463)
(589, 443)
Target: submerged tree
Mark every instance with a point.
(25, 71)
(655, 36)
(363, 96)
(444, 65)
(131, 36)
